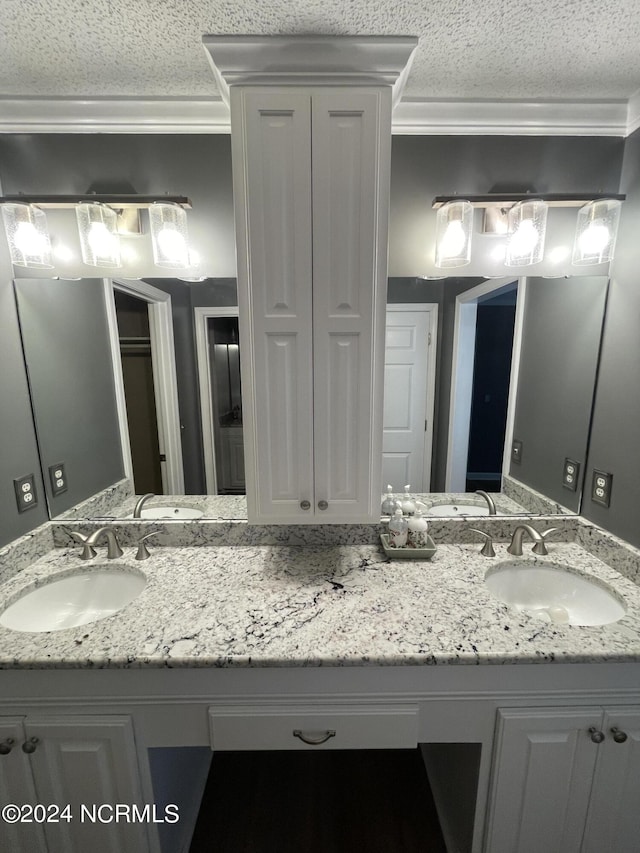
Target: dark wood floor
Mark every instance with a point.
(375, 801)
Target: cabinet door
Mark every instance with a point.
(272, 193)
(613, 822)
(88, 761)
(543, 768)
(351, 139)
(16, 787)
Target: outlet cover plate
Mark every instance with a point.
(601, 487)
(570, 475)
(58, 479)
(26, 495)
(516, 451)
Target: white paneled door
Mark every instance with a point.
(409, 391)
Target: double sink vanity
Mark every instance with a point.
(222, 635)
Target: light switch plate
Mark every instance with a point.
(25, 489)
(601, 487)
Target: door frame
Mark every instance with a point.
(432, 309)
(165, 381)
(464, 342)
(201, 316)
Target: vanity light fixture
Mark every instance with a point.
(454, 228)
(522, 218)
(27, 235)
(101, 219)
(596, 232)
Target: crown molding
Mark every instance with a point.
(202, 115)
(504, 118)
(633, 113)
(113, 115)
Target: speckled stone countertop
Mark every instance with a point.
(343, 605)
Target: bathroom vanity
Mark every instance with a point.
(529, 729)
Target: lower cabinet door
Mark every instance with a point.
(89, 763)
(613, 823)
(19, 832)
(543, 769)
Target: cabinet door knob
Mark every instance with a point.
(30, 746)
(6, 746)
(596, 736)
(618, 736)
(314, 741)
(305, 504)
(323, 505)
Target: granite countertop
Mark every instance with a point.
(343, 605)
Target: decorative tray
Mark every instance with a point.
(425, 553)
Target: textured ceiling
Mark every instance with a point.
(485, 49)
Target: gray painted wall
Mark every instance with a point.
(68, 358)
(560, 345)
(18, 448)
(616, 419)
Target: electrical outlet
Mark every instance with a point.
(58, 479)
(516, 451)
(570, 474)
(601, 488)
(25, 489)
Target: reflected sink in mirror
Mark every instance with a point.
(554, 593)
(75, 599)
(457, 510)
(179, 512)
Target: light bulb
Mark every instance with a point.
(453, 240)
(173, 246)
(594, 239)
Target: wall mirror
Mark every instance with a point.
(444, 337)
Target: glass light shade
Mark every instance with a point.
(169, 235)
(454, 226)
(27, 235)
(527, 229)
(596, 231)
(98, 230)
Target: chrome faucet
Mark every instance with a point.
(538, 538)
(137, 510)
(113, 548)
(489, 500)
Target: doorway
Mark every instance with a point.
(409, 395)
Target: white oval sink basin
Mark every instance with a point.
(459, 510)
(73, 600)
(555, 594)
(183, 512)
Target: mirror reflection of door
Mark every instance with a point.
(409, 391)
(224, 365)
(495, 319)
(137, 374)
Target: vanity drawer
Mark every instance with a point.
(237, 727)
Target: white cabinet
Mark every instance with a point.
(79, 761)
(563, 781)
(311, 177)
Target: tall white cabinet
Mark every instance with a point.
(311, 158)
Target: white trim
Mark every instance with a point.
(432, 309)
(518, 326)
(118, 380)
(464, 335)
(113, 115)
(521, 118)
(164, 379)
(421, 117)
(633, 113)
(201, 316)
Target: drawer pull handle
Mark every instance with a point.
(6, 746)
(30, 746)
(618, 736)
(596, 736)
(314, 741)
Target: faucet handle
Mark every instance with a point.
(88, 551)
(143, 552)
(541, 546)
(487, 549)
